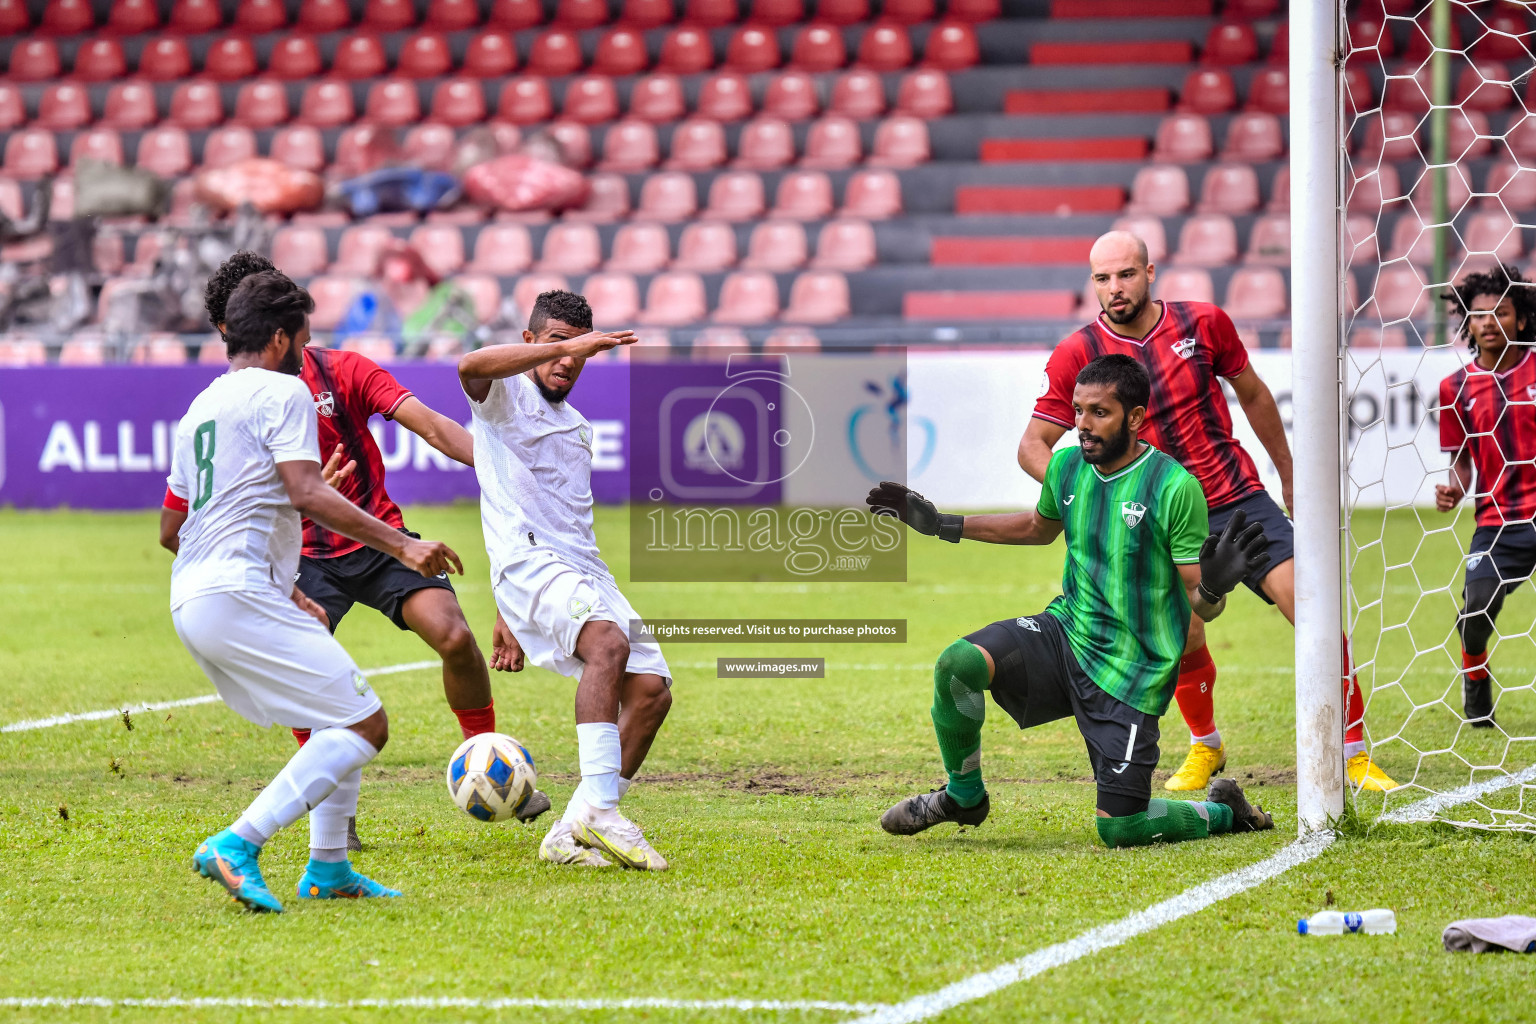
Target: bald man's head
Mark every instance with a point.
(1122, 275)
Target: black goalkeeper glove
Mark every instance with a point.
(892, 499)
(1230, 556)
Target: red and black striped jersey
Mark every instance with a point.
(348, 388)
(1192, 346)
(1493, 417)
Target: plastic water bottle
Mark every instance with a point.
(1336, 922)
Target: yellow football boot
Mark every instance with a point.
(1363, 774)
(1199, 766)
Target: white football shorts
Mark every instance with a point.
(546, 601)
(272, 663)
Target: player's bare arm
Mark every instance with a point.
(314, 499)
(171, 520)
(1448, 496)
(506, 652)
(310, 608)
(497, 362)
(893, 499)
(1226, 558)
(1036, 445)
(436, 429)
(1263, 414)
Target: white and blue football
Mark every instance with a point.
(491, 776)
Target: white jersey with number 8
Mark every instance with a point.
(241, 533)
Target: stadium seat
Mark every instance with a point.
(166, 151)
(885, 47)
(668, 197)
(231, 59)
(1399, 294)
(15, 19)
(1160, 189)
(833, 143)
(791, 96)
(766, 143)
(923, 93)
(1469, 136)
(501, 250)
(324, 15)
(429, 146)
(747, 297)
(621, 51)
(333, 296)
(872, 195)
(1184, 139)
(1520, 138)
(490, 55)
(752, 49)
(441, 248)
(555, 52)
(1230, 43)
(1269, 242)
(515, 15)
(776, 245)
(790, 341)
(1367, 194)
(13, 107)
(1486, 85)
(725, 97)
(630, 146)
(643, 14)
(19, 352)
(294, 59)
(1458, 191)
(1207, 240)
(299, 146)
(361, 246)
(686, 50)
(640, 249)
(64, 107)
(1254, 137)
(698, 144)
(1359, 92)
(525, 100)
(735, 196)
(580, 14)
(1408, 89)
(392, 102)
(131, 17)
(973, 10)
(225, 146)
(1280, 44)
(803, 195)
(166, 59)
(258, 17)
(195, 106)
(845, 244)
(900, 141)
(817, 297)
(260, 104)
(1230, 189)
(1494, 234)
(575, 142)
(657, 98)
(97, 60)
(571, 248)
(79, 351)
(1207, 91)
(591, 99)
(674, 299)
(102, 144)
(706, 247)
(377, 347)
(1420, 45)
(359, 56)
(34, 60)
(300, 252)
(607, 200)
(459, 102)
(1150, 230)
(1368, 31)
(818, 48)
(31, 153)
(1256, 293)
(1510, 187)
(425, 55)
(1184, 284)
(484, 291)
(710, 13)
(1390, 135)
(361, 148)
(777, 12)
(388, 15)
(195, 17)
(130, 106)
(907, 12)
(952, 46)
(614, 297)
(1270, 91)
(1506, 36)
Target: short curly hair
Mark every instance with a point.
(260, 306)
(566, 307)
(227, 278)
(1503, 280)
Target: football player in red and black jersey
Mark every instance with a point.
(1488, 425)
(1188, 349)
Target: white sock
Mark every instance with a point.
(578, 801)
(314, 772)
(624, 785)
(598, 745)
(1351, 749)
(1213, 740)
(328, 819)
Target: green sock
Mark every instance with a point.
(1166, 821)
(1220, 817)
(959, 707)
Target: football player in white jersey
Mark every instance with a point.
(554, 594)
(245, 468)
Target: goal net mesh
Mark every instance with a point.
(1438, 162)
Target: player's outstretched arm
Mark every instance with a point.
(1036, 445)
(1226, 558)
(436, 429)
(497, 362)
(1448, 496)
(314, 499)
(900, 501)
(1263, 414)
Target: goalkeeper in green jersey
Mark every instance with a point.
(1106, 652)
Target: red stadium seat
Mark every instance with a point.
(261, 104)
(725, 97)
(1184, 284)
(515, 15)
(1399, 294)
(194, 17)
(299, 146)
(1254, 137)
(1229, 43)
(359, 56)
(525, 100)
(1207, 91)
(131, 17)
(490, 55)
(1493, 234)
(326, 105)
(1256, 293)
(845, 244)
(872, 195)
(1510, 187)
(860, 94)
(425, 55)
(1150, 231)
(657, 98)
(952, 46)
(392, 102)
(258, 16)
(706, 247)
(324, 15)
(674, 299)
(502, 250)
(429, 146)
(388, 15)
(777, 12)
(452, 15)
(818, 48)
(1505, 38)
(295, 58)
(34, 60)
(362, 148)
(571, 249)
(575, 142)
(817, 297)
(791, 96)
(300, 252)
(747, 297)
(1368, 31)
(1458, 192)
(709, 13)
(196, 105)
(1230, 189)
(581, 14)
(1392, 135)
(1161, 190)
(908, 12)
(1365, 196)
(630, 146)
(459, 102)
(615, 299)
(1486, 85)
(1408, 89)
(776, 245)
(1269, 242)
(646, 13)
(1468, 135)
(833, 143)
(735, 196)
(885, 47)
(64, 107)
(752, 49)
(1270, 91)
(641, 249)
(900, 141)
(686, 50)
(607, 200)
(668, 197)
(717, 344)
(923, 93)
(591, 99)
(103, 144)
(484, 291)
(166, 151)
(842, 12)
(1419, 44)
(555, 52)
(360, 248)
(14, 17)
(231, 59)
(1184, 139)
(790, 340)
(99, 60)
(1521, 136)
(13, 107)
(803, 195)
(1207, 240)
(621, 51)
(973, 10)
(225, 146)
(333, 296)
(698, 144)
(766, 143)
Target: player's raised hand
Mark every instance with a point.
(430, 557)
(587, 345)
(506, 652)
(309, 607)
(1447, 498)
(333, 472)
(893, 499)
(1226, 558)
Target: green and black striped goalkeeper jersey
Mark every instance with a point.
(1123, 605)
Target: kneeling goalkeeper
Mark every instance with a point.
(1106, 652)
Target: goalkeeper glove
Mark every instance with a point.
(892, 499)
(1226, 558)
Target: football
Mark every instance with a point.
(491, 776)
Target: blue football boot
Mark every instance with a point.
(231, 861)
(335, 880)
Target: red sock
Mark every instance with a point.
(474, 721)
(1194, 692)
(1354, 702)
(1475, 665)
(302, 735)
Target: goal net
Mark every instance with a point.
(1437, 125)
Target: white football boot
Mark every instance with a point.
(616, 836)
(559, 848)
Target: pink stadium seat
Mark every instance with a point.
(1256, 293)
(196, 105)
(571, 248)
(34, 60)
(103, 144)
(1270, 241)
(575, 142)
(194, 17)
(752, 49)
(580, 14)
(668, 197)
(833, 144)
(1280, 191)
(1510, 187)
(900, 141)
(776, 245)
(952, 46)
(607, 200)
(1230, 43)
(525, 100)
(64, 107)
(717, 344)
(13, 107)
(818, 48)
(1458, 191)
(686, 50)
(1485, 85)
(502, 250)
(97, 60)
(556, 52)
(484, 291)
(441, 247)
(725, 97)
(803, 195)
(231, 59)
(791, 96)
(376, 347)
(18, 352)
(640, 249)
(360, 248)
(225, 146)
(300, 252)
(31, 153)
(1521, 136)
(299, 146)
(425, 55)
(131, 17)
(165, 60)
(1494, 234)
(817, 297)
(10, 199)
(710, 13)
(1270, 91)
(591, 99)
(324, 15)
(646, 13)
(459, 102)
(698, 144)
(1184, 284)
(735, 196)
(1150, 230)
(747, 297)
(630, 146)
(1254, 137)
(1399, 294)
(842, 12)
(429, 146)
(1184, 139)
(359, 56)
(490, 55)
(388, 15)
(1229, 189)
(364, 147)
(392, 102)
(706, 247)
(621, 51)
(923, 93)
(777, 12)
(1207, 91)
(258, 16)
(514, 15)
(845, 244)
(873, 195)
(1391, 135)
(166, 151)
(1370, 192)
(973, 10)
(260, 104)
(908, 12)
(615, 299)
(130, 106)
(1469, 136)
(1160, 189)
(332, 296)
(1207, 240)
(295, 58)
(860, 94)
(885, 47)
(159, 350)
(674, 299)
(1503, 40)
(83, 352)
(212, 352)
(657, 98)
(766, 143)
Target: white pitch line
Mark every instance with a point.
(1427, 808)
(39, 1002)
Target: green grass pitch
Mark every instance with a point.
(764, 795)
